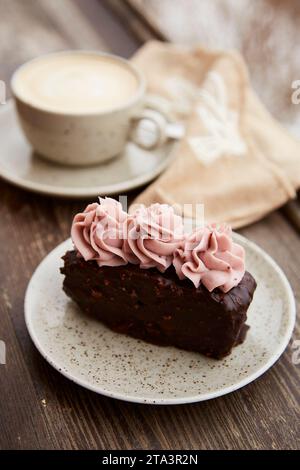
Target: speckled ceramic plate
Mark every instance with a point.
(20, 166)
(115, 365)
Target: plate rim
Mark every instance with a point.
(77, 193)
(172, 401)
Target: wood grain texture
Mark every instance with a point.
(137, 21)
(292, 212)
(39, 408)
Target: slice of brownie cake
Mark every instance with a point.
(142, 276)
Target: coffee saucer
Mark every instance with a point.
(18, 165)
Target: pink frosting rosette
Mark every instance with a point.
(98, 233)
(153, 235)
(209, 256)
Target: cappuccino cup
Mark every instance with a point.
(80, 107)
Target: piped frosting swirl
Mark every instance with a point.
(154, 233)
(98, 233)
(209, 256)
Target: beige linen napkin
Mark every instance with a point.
(235, 158)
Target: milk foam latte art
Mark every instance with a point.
(76, 107)
(76, 83)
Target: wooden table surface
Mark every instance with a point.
(39, 408)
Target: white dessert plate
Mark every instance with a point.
(21, 167)
(121, 367)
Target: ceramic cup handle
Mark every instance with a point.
(151, 129)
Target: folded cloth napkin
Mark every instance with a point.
(234, 158)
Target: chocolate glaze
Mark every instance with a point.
(160, 308)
